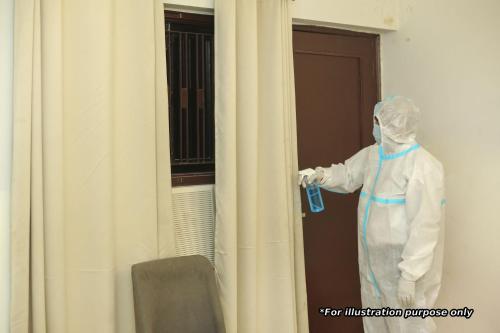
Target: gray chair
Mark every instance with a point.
(176, 295)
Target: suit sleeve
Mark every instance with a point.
(347, 177)
(424, 196)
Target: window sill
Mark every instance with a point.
(187, 179)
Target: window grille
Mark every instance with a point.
(190, 68)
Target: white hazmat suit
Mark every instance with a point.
(400, 218)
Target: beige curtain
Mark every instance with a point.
(90, 183)
(258, 245)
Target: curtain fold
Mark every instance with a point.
(90, 168)
(6, 58)
(258, 244)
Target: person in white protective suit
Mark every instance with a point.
(400, 216)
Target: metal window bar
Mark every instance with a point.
(190, 76)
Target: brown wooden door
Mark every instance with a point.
(337, 85)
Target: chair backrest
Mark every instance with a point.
(176, 295)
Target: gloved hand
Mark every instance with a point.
(310, 176)
(406, 292)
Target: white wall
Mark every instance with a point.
(446, 56)
(192, 3)
(6, 54)
(196, 6)
(378, 14)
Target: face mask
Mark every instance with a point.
(377, 134)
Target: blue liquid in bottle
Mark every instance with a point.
(314, 197)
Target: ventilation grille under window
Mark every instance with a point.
(194, 220)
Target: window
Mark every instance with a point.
(190, 71)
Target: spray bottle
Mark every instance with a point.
(314, 197)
